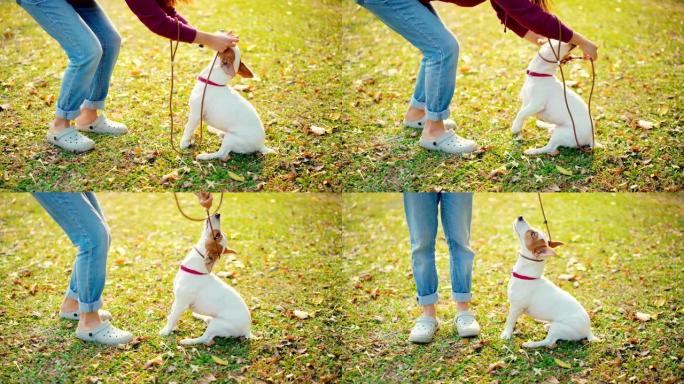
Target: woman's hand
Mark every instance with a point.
(590, 50)
(205, 199)
(588, 47)
(217, 41)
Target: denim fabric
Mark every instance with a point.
(421, 215)
(81, 218)
(422, 27)
(92, 44)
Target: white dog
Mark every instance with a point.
(209, 298)
(530, 292)
(228, 113)
(542, 96)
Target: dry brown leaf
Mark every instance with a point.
(302, 315)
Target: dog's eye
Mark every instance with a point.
(534, 235)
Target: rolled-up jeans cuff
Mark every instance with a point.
(67, 115)
(89, 104)
(429, 299)
(71, 294)
(417, 104)
(89, 307)
(436, 116)
(462, 297)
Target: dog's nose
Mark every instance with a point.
(218, 215)
(520, 218)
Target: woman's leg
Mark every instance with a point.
(85, 226)
(421, 217)
(60, 20)
(110, 41)
(421, 26)
(457, 211)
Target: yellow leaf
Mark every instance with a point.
(219, 360)
(562, 363)
(564, 171)
(235, 176)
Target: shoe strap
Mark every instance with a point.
(465, 315)
(65, 133)
(99, 329)
(426, 320)
(446, 136)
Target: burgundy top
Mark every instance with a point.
(521, 16)
(162, 20)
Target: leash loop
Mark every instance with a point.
(175, 196)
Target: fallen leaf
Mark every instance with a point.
(641, 316)
(562, 364)
(567, 277)
(219, 360)
(33, 289)
(157, 361)
(316, 130)
(551, 380)
(208, 378)
(645, 124)
(235, 176)
(170, 177)
(302, 315)
(563, 171)
(495, 366)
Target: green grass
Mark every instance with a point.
(639, 76)
(629, 245)
(290, 45)
(286, 262)
(345, 259)
(310, 56)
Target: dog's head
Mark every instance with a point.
(533, 243)
(549, 51)
(214, 241)
(232, 64)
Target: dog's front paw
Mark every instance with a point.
(205, 156)
(185, 143)
(165, 331)
(528, 344)
(505, 335)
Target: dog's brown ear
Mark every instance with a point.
(244, 71)
(228, 250)
(555, 244)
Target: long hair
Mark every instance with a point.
(544, 4)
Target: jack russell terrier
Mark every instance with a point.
(228, 114)
(530, 292)
(209, 297)
(542, 96)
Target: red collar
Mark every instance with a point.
(523, 277)
(209, 82)
(537, 74)
(191, 271)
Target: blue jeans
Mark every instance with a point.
(81, 218)
(422, 27)
(92, 44)
(421, 216)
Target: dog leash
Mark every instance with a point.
(173, 49)
(546, 222)
(565, 90)
(214, 236)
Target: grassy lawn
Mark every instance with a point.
(286, 262)
(331, 64)
(626, 251)
(639, 77)
(344, 259)
(290, 45)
